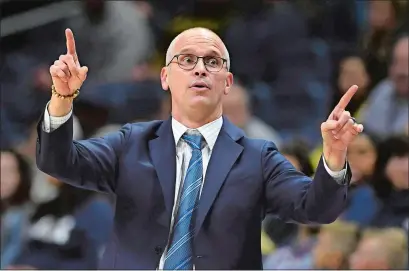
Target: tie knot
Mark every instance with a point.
(194, 139)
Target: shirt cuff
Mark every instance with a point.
(51, 123)
(339, 176)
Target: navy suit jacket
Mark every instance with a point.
(245, 179)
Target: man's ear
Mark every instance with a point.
(228, 83)
(164, 78)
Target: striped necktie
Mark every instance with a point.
(179, 255)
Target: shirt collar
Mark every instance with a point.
(209, 131)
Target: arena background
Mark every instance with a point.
(292, 61)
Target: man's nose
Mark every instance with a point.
(200, 69)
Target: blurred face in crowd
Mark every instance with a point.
(397, 171)
(10, 176)
(399, 68)
(324, 253)
(235, 106)
(369, 255)
(381, 15)
(353, 72)
(362, 157)
(196, 90)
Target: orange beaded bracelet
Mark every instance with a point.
(70, 97)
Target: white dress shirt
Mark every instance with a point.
(209, 131)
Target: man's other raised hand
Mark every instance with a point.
(67, 76)
(66, 72)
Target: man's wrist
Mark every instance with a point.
(335, 160)
(59, 107)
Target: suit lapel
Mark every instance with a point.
(163, 153)
(224, 155)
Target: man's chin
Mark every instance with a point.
(199, 101)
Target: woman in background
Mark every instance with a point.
(386, 19)
(294, 243)
(362, 203)
(351, 70)
(391, 183)
(69, 231)
(15, 204)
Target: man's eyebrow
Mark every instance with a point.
(210, 52)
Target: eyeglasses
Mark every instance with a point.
(189, 61)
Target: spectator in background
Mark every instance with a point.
(282, 66)
(15, 205)
(335, 243)
(41, 190)
(286, 233)
(352, 70)
(68, 232)
(115, 25)
(386, 111)
(385, 249)
(237, 108)
(298, 254)
(362, 201)
(294, 242)
(334, 21)
(391, 183)
(25, 80)
(384, 17)
(362, 156)
(297, 153)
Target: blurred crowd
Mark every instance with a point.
(292, 60)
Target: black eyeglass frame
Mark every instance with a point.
(197, 60)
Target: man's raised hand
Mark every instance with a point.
(338, 131)
(66, 72)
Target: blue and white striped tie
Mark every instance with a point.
(179, 255)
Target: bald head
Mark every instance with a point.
(194, 32)
(197, 87)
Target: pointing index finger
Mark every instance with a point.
(343, 103)
(70, 43)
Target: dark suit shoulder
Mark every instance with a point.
(145, 127)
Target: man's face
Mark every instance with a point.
(353, 71)
(381, 15)
(399, 68)
(324, 254)
(368, 256)
(235, 107)
(186, 97)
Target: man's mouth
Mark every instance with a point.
(200, 86)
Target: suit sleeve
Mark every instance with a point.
(90, 164)
(295, 197)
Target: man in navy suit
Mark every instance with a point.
(192, 190)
